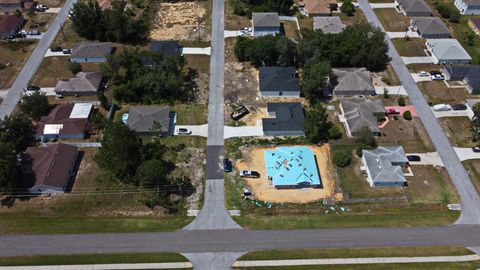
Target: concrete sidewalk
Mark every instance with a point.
(417, 60)
(377, 260)
(178, 265)
(392, 90)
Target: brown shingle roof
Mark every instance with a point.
(82, 82)
(105, 4)
(91, 50)
(9, 23)
(318, 6)
(11, 1)
(52, 164)
(60, 115)
(475, 22)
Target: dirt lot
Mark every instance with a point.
(430, 185)
(181, 21)
(410, 134)
(412, 47)
(392, 20)
(67, 37)
(457, 130)
(232, 21)
(12, 57)
(38, 21)
(263, 189)
(438, 92)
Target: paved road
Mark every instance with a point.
(468, 195)
(238, 241)
(34, 61)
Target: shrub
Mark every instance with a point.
(334, 133)
(347, 8)
(407, 115)
(386, 95)
(401, 101)
(454, 16)
(74, 67)
(365, 137)
(380, 117)
(342, 159)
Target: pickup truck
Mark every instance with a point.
(249, 174)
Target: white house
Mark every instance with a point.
(447, 51)
(468, 7)
(265, 23)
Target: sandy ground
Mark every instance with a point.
(179, 21)
(264, 190)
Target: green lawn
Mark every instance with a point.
(354, 253)
(411, 47)
(406, 266)
(93, 259)
(473, 168)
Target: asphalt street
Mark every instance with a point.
(468, 195)
(238, 241)
(15, 92)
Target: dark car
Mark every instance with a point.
(67, 51)
(435, 72)
(20, 35)
(227, 165)
(459, 107)
(238, 114)
(476, 149)
(56, 49)
(413, 158)
(33, 88)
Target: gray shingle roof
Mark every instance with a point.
(472, 2)
(91, 50)
(265, 19)
(142, 118)
(379, 163)
(332, 25)
(431, 25)
(288, 117)
(448, 49)
(352, 79)
(414, 6)
(278, 79)
(82, 82)
(360, 113)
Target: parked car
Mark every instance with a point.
(184, 131)
(413, 158)
(20, 35)
(437, 77)
(423, 74)
(476, 149)
(392, 111)
(227, 165)
(238, 114)
(441, 107)
(33, 88)
(33, 33)
(435, 72)
(56, 49)
(459, 107)
(67, 51)
(249, 174)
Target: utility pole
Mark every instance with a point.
(63, 33)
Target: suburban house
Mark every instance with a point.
(65, 121)
(413, 7)
(469, 74)
(351, 82)
(468, 7)
(384, 166)
(50, 168)
(430, 27)
(10, 25)
(83, 84)
(358, 113)
(292, 167)
(474, 23)
(265, 23)
(11, 5)
(284, 119)
(329, 25)
(163, 47)
(150, 120)
(470, 103)
(95, 52)
(279, 81)
(447, 51)
(105, 4)
(313, 8)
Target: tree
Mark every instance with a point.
(407, 115)
(17, 130)
(341, 158)
(10, 174)
(314, 80)
(266, 51)
(35, 105)
(347, 7)
(401, 101)
(365, 137)
(386, 94)
(74, 67)
(454, 15)
(151, 174)
(470, 38)
(476, 110)
(120, 151)
(316, 124)
(335, 133)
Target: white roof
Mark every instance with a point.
(52, 129)
(448, 49)
(81, 110)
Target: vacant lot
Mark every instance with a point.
(430, 185)
(458, 131)
(67, 37)
(410, 134)
(38, 21)
(349, 20)
(232, 21)
(13, 55)
(411, 47)
(391, 20)
(473, 169)
(53, 69)
(437, 92)
(201, 64)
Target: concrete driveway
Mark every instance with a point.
(34, 36)
(245, 131)
(452, 113)
(417, 60)
(233, 33)
(200, 51)
(382, 5)
(417, 78)
(403, 109)
(49, 53)
(410, 33)
(430, 158)
(48, 91)
(466, 153)
(52, 10)
(197, 130)
(392, 90)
